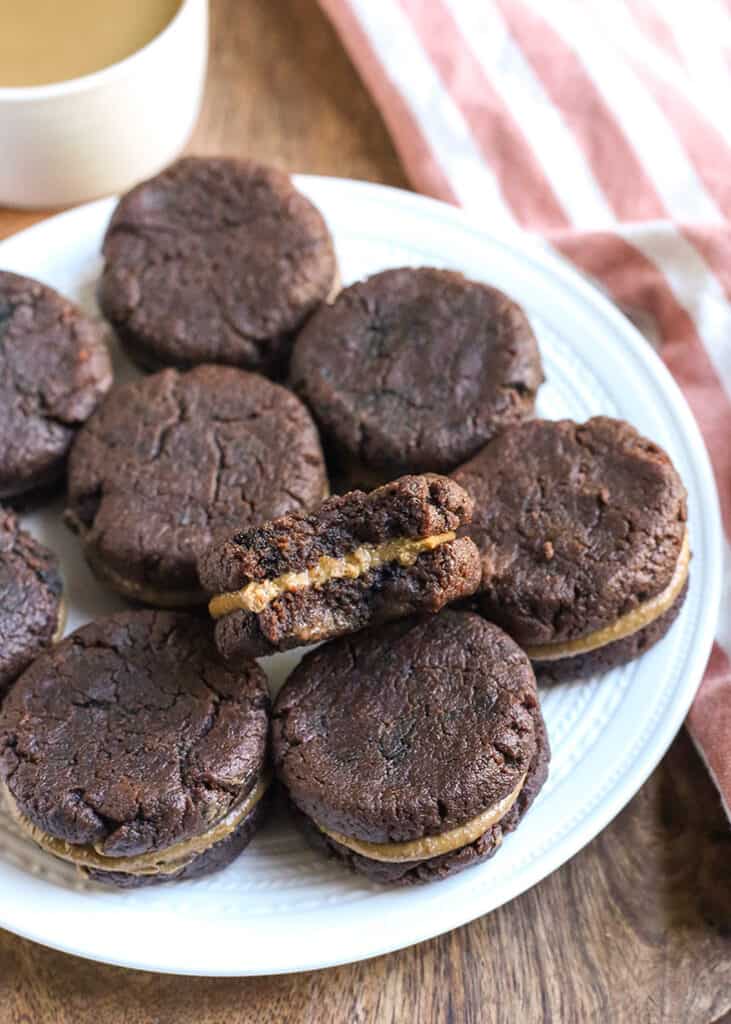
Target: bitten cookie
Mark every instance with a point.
(132, 752)
(409, 751)
(584, 543)
(54, 370)
(359, 559)
(173, 461)
(215, 261)
(32, 612)
(414, 370)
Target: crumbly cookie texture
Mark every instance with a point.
(54, 371)
(413, 506)
(353, 565)
(215, 261)
(359, 559)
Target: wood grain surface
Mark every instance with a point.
(636, 928)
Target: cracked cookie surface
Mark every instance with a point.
(215, 260)
(30, 598)
(577, 525)
(131, 735)
(409, 730)
(54, 370)
(173, 461)
(413, 370)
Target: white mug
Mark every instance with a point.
(69, 141)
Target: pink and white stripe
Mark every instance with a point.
(604, 127)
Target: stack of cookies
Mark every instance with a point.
(301, 464)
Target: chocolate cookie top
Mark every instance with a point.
(577, 524)
(408, 730)
(30, 598)
(215, 260)
(175, 460)
(131, 735)
(54, 369)
(415, 369)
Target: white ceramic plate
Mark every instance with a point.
(281, 907)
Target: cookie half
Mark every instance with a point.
(584, 543)
(32, 611)
(215, 261)
(409, 751)
(359, 559)
(172, 461)
(130, 751)
(413, 371)
(54, 371)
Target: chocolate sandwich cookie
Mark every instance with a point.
(54, 370)
(130, 751)
(359, 559)
(409, 751)
(32, 612)
(584, 543)
(414, 370)
(172, 461)
(215, 261)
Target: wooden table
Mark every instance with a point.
(636, 928)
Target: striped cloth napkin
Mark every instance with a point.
(603, 125)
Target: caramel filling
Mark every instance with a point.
(641, 616)
(161, 862)
(255, 596)
(430, 846)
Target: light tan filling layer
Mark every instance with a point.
(163, 862)
(626, 625)
(148, 594)
(255, 597)
(61, 621)
(430, 846)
